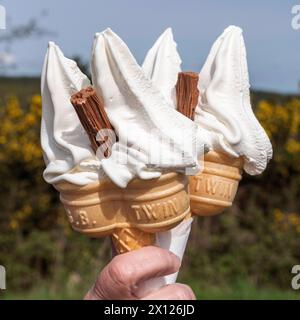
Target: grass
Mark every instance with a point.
(242, 290)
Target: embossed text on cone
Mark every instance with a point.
(144, 207)
(214, 189)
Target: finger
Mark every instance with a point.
(120, 278)
(175, 291)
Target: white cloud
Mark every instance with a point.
(6, 59)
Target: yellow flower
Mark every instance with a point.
(13, 108)
(30, 119)
(36, 101)
(2, 140)
(294, 219)
(14, 225)
(278, 215)
(293, 146)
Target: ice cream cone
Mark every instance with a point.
(132, 215)
(214, 189)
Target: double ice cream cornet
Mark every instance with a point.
(135, 205)
(130, 216)
(133, 215)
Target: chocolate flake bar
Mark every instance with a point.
(187, 93)
(93, 117)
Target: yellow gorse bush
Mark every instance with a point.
(282, 123)
(287, 220)
(20, 151)
(19, 134)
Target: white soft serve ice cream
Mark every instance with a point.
(224, 108)
(153, 137)
(63, 139)
(162, 65)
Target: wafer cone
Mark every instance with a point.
(131, 216)
(214, 189)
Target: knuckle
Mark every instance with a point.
(96, 292)
(116, 281)
(111, 283)
(118, 272)
(184, 292)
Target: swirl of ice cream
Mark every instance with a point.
(162, 65)
(140, 105)
(224, 108)
(64, 142)
(140, 114)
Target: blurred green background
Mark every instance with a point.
(246, 252)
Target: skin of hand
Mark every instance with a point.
(119, 280)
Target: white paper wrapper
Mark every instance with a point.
(174, 240)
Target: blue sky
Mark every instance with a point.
(273, 47)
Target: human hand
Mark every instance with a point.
(121, 278)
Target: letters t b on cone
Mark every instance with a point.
(214, 189)
(131, 216)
